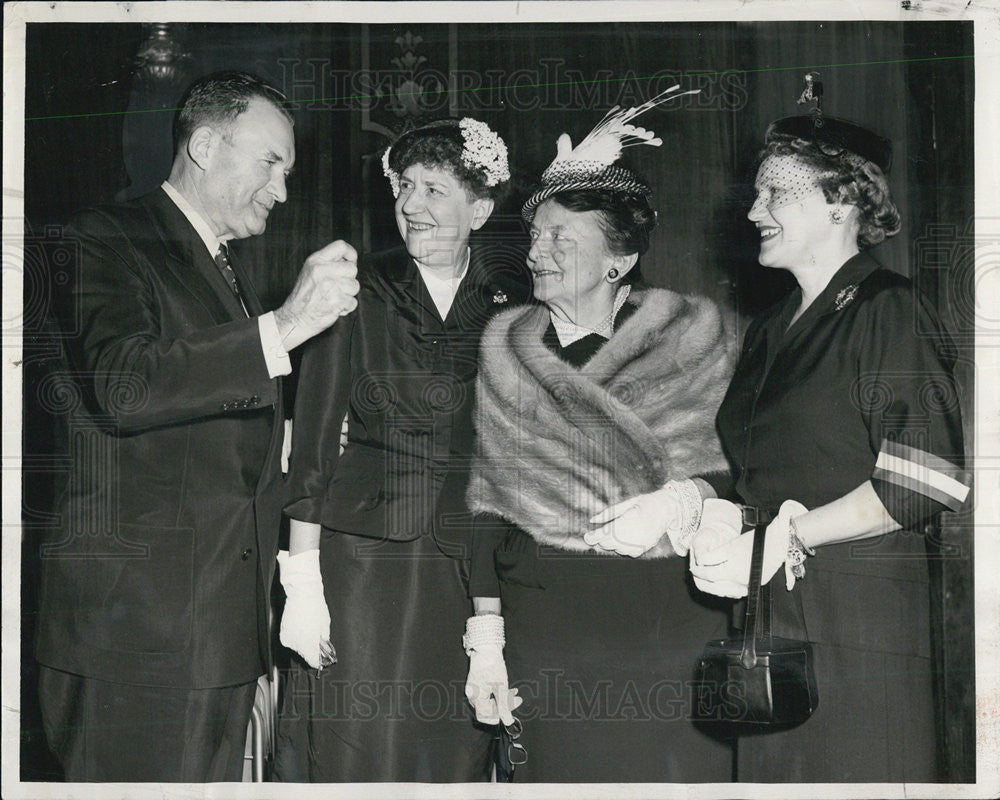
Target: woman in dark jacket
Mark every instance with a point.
(377, 564)
(602, 392)
(841, 424)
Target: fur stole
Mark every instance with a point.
(556, 443)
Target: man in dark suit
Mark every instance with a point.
(153, 622)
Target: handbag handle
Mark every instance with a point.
(757, 596)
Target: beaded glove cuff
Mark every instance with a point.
(483, 629)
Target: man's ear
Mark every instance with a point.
(201, 145)
(482, 208)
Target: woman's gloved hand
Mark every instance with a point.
(305, 623)
(486, 687)
(720, 563)
(721, 524)
(637, 525)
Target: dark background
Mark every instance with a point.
(100, 97)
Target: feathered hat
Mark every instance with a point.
(590, 165)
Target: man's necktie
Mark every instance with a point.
(222, 261)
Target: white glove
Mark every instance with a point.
(721, 523)
(487, 688)
(634, 526)
(305, 623)
(724, 569)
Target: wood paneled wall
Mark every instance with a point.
(94, 135)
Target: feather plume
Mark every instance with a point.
(604, 144)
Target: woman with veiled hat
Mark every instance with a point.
(377, 565)
(842, 426)
(604, 391)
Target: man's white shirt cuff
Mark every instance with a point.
(275, 355)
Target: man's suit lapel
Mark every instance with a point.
(189, 259)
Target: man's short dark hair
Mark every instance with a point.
(218, 99)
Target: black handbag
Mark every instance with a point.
(758, 679)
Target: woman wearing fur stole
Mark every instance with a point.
(603, 393)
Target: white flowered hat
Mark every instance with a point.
(482, 159)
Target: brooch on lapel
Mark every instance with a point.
(499, 298)
(845, 296)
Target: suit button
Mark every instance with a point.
(246, 553)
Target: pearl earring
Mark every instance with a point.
(837, 216)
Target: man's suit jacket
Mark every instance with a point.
(406, 380)
(168, 526)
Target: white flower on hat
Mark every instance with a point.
(390, 173)
(484, 150)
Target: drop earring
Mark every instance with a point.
(612, 275)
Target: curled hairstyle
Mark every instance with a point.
(845, 177)
(440, 144)
(626, 220)
(218, 99)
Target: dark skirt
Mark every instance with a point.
(393, 708)
(603, 650)
(874, 676)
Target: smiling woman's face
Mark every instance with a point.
(791, 212)
(569, 256)
(435, 215)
